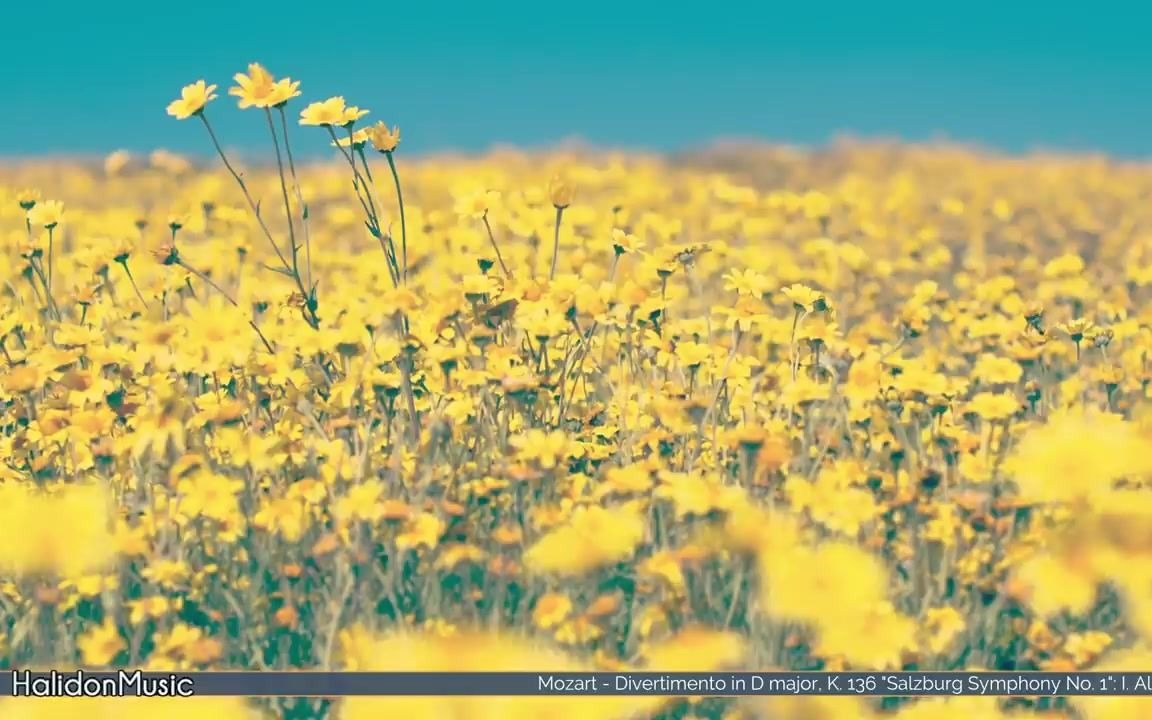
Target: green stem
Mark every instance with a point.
(284, 192)
(364, 195)
(244, 188)
(208, 281)
(403, 224)
(48, 294)
(299, 197)
(556, 243)
(311, 317)
(495, 247)
(51, 237)
(132, 280)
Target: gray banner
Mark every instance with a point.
(336, 684)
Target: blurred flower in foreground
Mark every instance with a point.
(192, 708)
(1077, 455)
(64, 533)
(470, 653)
(595, 537)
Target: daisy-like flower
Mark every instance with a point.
(624, 242)
(383, 139)
(28, 198)
(805, 299)
(332, 111)
(356, 141)
(283, 91)
(47, 214)
(192, 100)
(260, 89)
(254, 88)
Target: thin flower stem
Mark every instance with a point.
(495, 246)
(244, 188)
(47, 294)
(132, 280)
(311, 316)
(364, 195)
(364, 162)
(556, 244)
(31, 278)
(299, 197)
(400, 202)
(284, 193)
(387, 243)
(208, 281)
(363, 184)
(51, 238)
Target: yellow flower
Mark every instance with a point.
(624, 242)
(697, 649)
(548, 449)
(470, 652)
(192, 100)
(383, 139)
(153, 607)
(101, 645)
(260, 90)
(1053, 586)
(47, 214)
(362, 501)
(1078, 454)
(1085, 647)
(1077, 329)
(747, 282)
(253, 88)
(994, 407)
(65, 532)
(807, 584)
(805, 299)
(666, 566)
(941, 628)
(285, 515)
(27, 198)
(997, 370)
(593, 538)
(210, 495)
(551, 609)
(816, 205)
(1117, 707)
(423, 530)
(331, 112)
(355, 141)
(476, 205)
(451, 556)
(560, 191)
(282, 91)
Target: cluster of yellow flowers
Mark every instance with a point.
(877, 407)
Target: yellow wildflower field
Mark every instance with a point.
(871, 407)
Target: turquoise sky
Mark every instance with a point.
(95, 77)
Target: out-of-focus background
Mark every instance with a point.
(95, 77)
